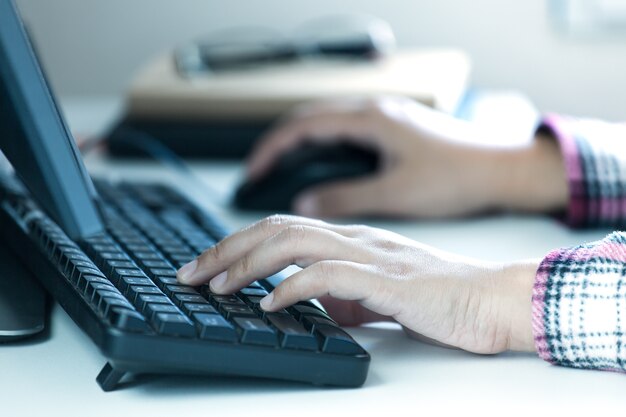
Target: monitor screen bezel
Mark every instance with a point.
(35, 137)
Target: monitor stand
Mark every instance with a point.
(22, 299)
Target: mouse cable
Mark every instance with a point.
(155, 149)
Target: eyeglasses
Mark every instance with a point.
(346, 37)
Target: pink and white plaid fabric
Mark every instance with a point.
(579, 296)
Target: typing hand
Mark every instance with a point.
(367, 274)
(430, 168)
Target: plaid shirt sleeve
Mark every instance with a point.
(594, 152)
(579, 296)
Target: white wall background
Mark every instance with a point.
(93, 46)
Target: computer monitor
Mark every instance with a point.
(34, 136)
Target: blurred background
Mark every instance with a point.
(562, 61)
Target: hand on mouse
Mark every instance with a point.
(371, 274)
(428, 167)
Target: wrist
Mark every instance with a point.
(533, 178)
(514, 298)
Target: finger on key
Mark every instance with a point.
(340, 279)
(220, 257)
(294, 245)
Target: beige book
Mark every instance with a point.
(436, 78)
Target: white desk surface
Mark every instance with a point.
(56, 376)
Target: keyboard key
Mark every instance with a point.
(214, 327)
(84, 280)
(159, 233)
(174, 325)
(60, 251)
(254, 331)
(70, 249)
(222, 299)
(174, 249)
(191, 308)
(118, 256)
(156, 264)
(230, 311)
(144, 299)
(165, 272)
(148, 256)
(302, 310)
(126, 282)
(118, 278)
(184, 259)
(71, 253)
(163, 281)
(106, 304)
(254, 291)
(199, 238)
(133, 272)
(99, 240)
(91, 290)
(166, 241)
(255, 304)
(105, 248)
(110, 265)
(79, 271)
(135, 291)
(252, 301)
(293, 334)
(67, 260)
(63, 256)
(312, 322)
(181, 289)
(146, 289)
(336, 340)
(133, 239)
(139, 247)
(127, 319)
(89, 270)
(188, 298)
(100, 291)
(152, 309)
(71, 271)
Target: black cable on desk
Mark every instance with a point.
(159, 152)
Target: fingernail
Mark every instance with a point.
(186, 271)
(306, 205)
(266, 302)
(218, 282)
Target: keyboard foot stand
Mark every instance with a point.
(109, 377)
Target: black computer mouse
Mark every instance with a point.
(302, 168)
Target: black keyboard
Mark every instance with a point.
(120, 287)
